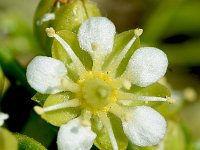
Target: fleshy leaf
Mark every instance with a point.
(103, 141)
(7, 140)
(61, 116)
(60, 53)
(27, 143)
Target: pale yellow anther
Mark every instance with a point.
(39, 110)
(50, 32)
(127, 85)
(138, 32)
(171, 101)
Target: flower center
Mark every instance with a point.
(97, 92)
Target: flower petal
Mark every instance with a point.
(3, 117)
(97, 33)
(44, 74)
(75, 136)
(146, 66)
(146, 128)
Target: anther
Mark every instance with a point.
(127, 84)
(39, 110)
(138, 32)
(50, 32)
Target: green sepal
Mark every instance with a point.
(27, 143)
(68, 16)
(120, 41)
(7, 140)
(40, 98)
(155, 89)
(60, 116)
(102, 140)
(60, 53)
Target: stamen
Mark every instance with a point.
(79, 66)
(106, 122)
(138, 32)
(71, 103)
(130, 96)
(127, 84)
(69, 85)
(86, 115)
(116, 62)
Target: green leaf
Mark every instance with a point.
(61, 116)
(7, 140)
(27, 143)
(60, 53)
(102, 140)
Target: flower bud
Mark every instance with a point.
(61, 15)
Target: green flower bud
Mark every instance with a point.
(61, 15)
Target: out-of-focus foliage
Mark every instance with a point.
(27, 143)
(1, 81)
(7, 140)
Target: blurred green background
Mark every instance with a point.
(171, 25)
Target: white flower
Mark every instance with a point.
(100, 91)
(3, 117)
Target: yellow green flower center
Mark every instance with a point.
(97, 92)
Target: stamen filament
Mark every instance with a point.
(86, 116)
(106, 122)
(130, 96)
(97, 62)
(69, 85)
(116, 62)
(79, 66)
(120, 112)
(71, 103)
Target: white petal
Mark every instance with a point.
(146, 66)
(44, 74)
(75, 136)
(3, 117)
(97, 33)
(146, 128)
